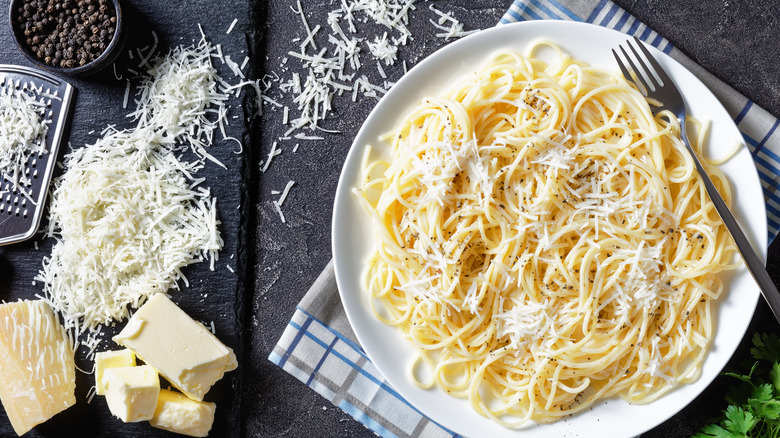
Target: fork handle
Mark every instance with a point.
(754, 263)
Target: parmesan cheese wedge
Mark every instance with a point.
(37, 369)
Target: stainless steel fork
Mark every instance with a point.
(654, 83)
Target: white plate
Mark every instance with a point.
(352, 237)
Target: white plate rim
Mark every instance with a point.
(349, 230)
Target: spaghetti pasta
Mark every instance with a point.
(545, 241)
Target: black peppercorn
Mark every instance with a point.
(65, 33)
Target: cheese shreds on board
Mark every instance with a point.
(178, 97)
(278, 203)
(455, 28)
(37, 368)
(330, 65)
(383, 50)
(129, 212)
(22, 133)
(127, 220)
(334, 68)
(232, 25)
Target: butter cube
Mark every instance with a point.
(131, 392)
(110, 359)
(180, 414)
(181, 349)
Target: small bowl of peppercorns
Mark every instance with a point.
(75, 37)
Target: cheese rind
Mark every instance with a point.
(180, 414)
(181, 349)
(37, 369)
(110, 359)
(131, 392)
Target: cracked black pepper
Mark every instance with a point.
(66, 33)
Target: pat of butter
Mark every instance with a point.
(131, 392)
(181, 349)
(180, 414)
(110, 359)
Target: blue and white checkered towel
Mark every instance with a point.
(319, 347)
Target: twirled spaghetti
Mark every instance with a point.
(545, 241)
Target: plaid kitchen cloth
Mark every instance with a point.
(319, 347)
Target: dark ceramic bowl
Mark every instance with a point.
(105, 59)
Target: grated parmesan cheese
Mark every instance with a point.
(285, 192)
(23, 130)
(274, 152)
(178, 94)
(383, 50)
(455, 28)
(129, 213)
(332, 64)
(232, 25)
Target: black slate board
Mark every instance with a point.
(211, 295)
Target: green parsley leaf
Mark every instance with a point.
(739, 421)
(774, 376)
(740, 393)
(766, 347)
(762, 392)
(754, 397)
(765, 409)
(713, 430)
(743, 377)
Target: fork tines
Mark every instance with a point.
(647, 78)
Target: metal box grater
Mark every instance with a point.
(20, 215)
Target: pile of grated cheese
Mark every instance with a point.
(180, 96)
(337, 68)
(22, 133)
(128, 213)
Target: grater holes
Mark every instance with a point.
(21, 192)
